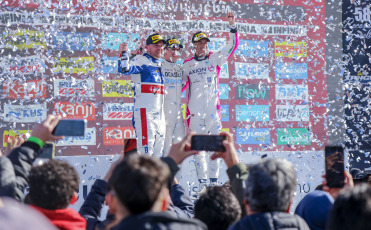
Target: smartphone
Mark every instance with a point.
(70, 128)
(334, 163)
(208, 143)
(130, 146)
(48, 151)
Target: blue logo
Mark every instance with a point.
(252, 112)
(224, 112)
(113, 40)
(253, 136)
(252, 49)
(109, 65)
(223, 91)
(74, 41)
(291, 70)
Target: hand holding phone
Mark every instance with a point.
(48, 151)
(334, 163)
(70, 127)
(208, 143)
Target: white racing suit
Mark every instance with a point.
(203, 108)
(175, 130)
(148, 114)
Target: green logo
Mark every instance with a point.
(297, 136)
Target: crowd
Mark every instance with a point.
(142, 193)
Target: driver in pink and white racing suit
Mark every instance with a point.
(201, 75)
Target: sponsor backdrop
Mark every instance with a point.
(60, 57)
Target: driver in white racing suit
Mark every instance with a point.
(175, 129)
(201, 75)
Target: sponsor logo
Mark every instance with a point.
(292, 112)
(83, 110)
(252, 49)
(155, 89)
(109, 65)
(357, 78)
(290, 49)
(80, 88)
(24, 39)
(25, 90)
(223, 91)
(225, 130)
(184, 110)
(224, 73)
(118, 88)
(252, 70)
(112, 41)
(117, 111)
(11, 135)
(252, 112)
(74, 41)
(291, 92)
(295, 136)
(210, 68)
(216, 44)
(224, 112)
(252, 91)
(23, 65)
(88, 139)
(74, 65)
(253, 136)
(291, 70)
(198, 71)
(115, 136)
(24, 113)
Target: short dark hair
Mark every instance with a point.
(53, 184)
(271, 185)
(218, 208)
(138, 181)
(352, 209)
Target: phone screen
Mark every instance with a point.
(70, 128)
(130, 146)
(334, 163)
(47, 151)
(208, 143)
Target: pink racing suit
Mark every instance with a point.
(175, 130)
(203, 108)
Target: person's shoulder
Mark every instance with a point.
(139, 59)
(188, 61)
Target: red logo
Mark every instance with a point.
(115, 136)
(121, 115)
(29, 89)
(75, 111)
(155, 89)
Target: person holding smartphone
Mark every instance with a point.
(173, 72)
(201, 74)
(148, 114)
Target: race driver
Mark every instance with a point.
(148, 114)
(201, 75)
(175, 130)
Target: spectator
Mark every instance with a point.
(53, 186)
(315, 208)
(270, 188)
(218, 208)
(352, 209)
(141, 192)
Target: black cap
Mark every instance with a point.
(171, 43)
(154, 38)
(199, 36)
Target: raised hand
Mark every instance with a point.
(123, 47)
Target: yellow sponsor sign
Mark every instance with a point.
(225, 130)
(117, 88)
(184, 109)
(24, 39)
(290, 49)
(13, 134)
(74, 65)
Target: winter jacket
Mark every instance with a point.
(158, 221)
(64, 219)
(7, 178)
(237, 176)
(181, 204)
(22, 159)
(93, 205)
(270, 221)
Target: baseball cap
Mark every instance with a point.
(198, 36)
(171, 43)
(154, 38)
